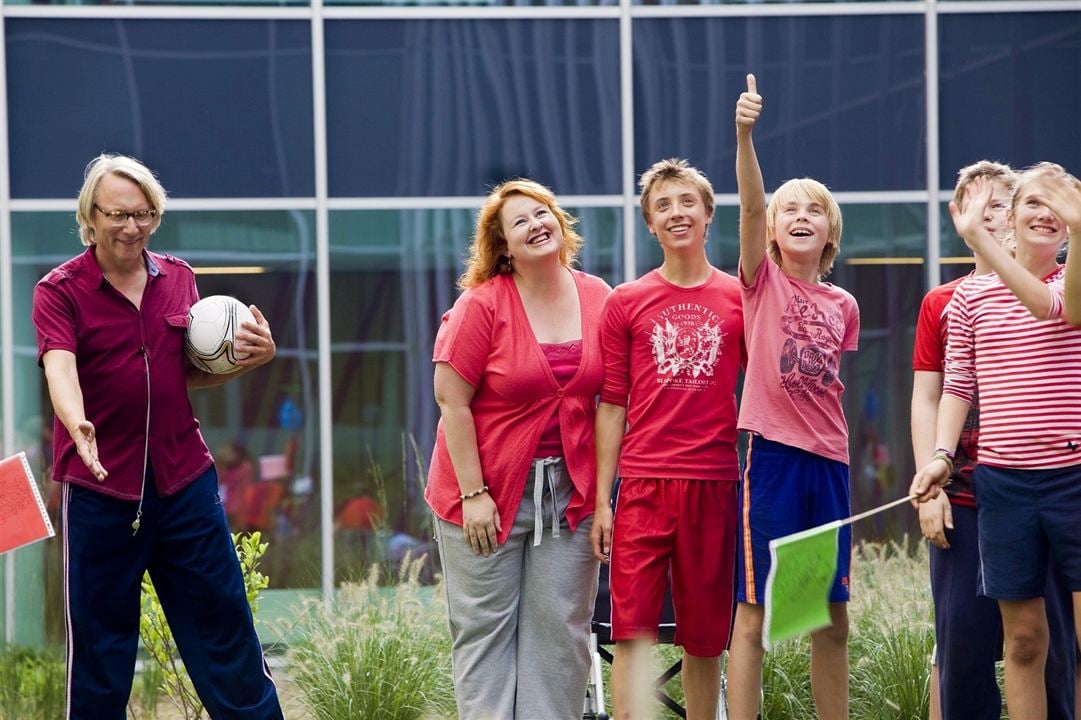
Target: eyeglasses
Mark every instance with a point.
(119, 218)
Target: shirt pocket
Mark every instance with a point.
(178, 320)
(176, 332)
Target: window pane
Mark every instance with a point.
(1007, 89)
(393, 274)
(843, 97)
(262, 258)
(447, 107)
(218, 108)
(157, 2)
(472, 3)
(748, 2)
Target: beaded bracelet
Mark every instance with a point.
(475, 493)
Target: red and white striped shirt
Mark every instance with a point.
(1028, 370)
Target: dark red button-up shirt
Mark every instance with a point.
(132, 372)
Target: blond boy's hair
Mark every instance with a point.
(990, 169)
(816, 192)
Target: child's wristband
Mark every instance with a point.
(946, 457)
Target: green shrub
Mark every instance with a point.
(891, 633)
(378, 653)
(890, 639)
(32, 683)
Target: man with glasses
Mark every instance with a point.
(140, 491)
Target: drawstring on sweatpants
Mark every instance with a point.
(542, 474)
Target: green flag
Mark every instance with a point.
(803, 566)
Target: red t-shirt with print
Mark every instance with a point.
(672, 356)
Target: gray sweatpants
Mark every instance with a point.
(519, 618)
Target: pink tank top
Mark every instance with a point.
(564, 359)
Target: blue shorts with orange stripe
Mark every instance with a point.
(784, 490)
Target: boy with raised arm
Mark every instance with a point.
(796, 471)
(673, 347)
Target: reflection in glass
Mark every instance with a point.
(220, 108)
(393, 275)
(844, 97)
(475, 3)
(265, 3)
(263, 427)
(450, 107)
(747, 2)
(1000, 68)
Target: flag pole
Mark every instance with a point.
(878, 509)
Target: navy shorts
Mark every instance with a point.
(785, 490)
(1028, 518)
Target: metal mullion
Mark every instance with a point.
(7, 334)
(322, 262)
(930, 59)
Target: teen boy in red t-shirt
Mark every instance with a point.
(673, 348)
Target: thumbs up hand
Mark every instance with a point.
(748, 107)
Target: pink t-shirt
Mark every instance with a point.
(487, 339)
(672, 356)
(796, 333)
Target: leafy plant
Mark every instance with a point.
(890, 641)
(378, 653)
(160, 646)
(32, 683)
(889, 648)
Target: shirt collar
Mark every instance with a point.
(97, 277)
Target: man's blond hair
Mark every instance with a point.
(122, 166)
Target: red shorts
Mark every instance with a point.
(686, 528)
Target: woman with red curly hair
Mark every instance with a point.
(512, 480)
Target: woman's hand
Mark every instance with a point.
(480, 524)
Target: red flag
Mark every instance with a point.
(23, 519)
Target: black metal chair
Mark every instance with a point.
(602, 645)
(601, 642)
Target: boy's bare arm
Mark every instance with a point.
(969, 223)
(752, 190)
(935, 515)
(610, 422)
(926, 393)
(952, 412)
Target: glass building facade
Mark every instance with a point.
(324, 161)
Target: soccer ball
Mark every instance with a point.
(212, 326)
